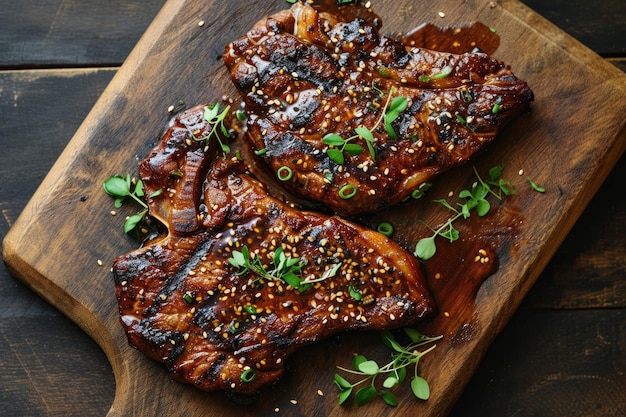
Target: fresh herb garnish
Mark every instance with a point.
(395, 371)
(445, 71)
(421, 190)
(536, 187)
(216, 119)
(283, 268)
(122, 187)
(390, 112)
(473, 199)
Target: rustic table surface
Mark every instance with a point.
(562, 353)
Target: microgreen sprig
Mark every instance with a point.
(445, 71)
(474, 199)
(213, 116)
(395, 372)
(122, 187)
(390, 112)
(535, 186)
(284, 268)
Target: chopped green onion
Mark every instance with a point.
(421, 190)
(260, 152)
(187, 297)
(497, 105)
(443, 74)
(385, 228)
(284, 173)
(347, 191)
(248, 375)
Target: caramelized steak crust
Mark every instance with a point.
(304, 74)
(220, 327)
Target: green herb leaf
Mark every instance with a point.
(536, 187)
(365, 395)
(333, 139)
(426, 248)
(414, 335)
(482, 208)
(354, 293)
(336, 155)
(389, 398)
(353, 149)
(344, 395)
(358, 360)
(117, 186)
(342, 383)
(364, 133)
(495, 172)
(133, 221)
(390, 341)
(420, 388)
(368, 367)
(445, 71)
(390, 382)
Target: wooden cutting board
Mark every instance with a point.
(568, 143)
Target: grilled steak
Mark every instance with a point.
(216, 301)
(305, 74)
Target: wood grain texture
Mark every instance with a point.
(68, 202)
(71, 32)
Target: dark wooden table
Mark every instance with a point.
(562, 354)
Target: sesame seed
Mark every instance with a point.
(201, 23)
(170, 109)
(441, 14)
(100, 263)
